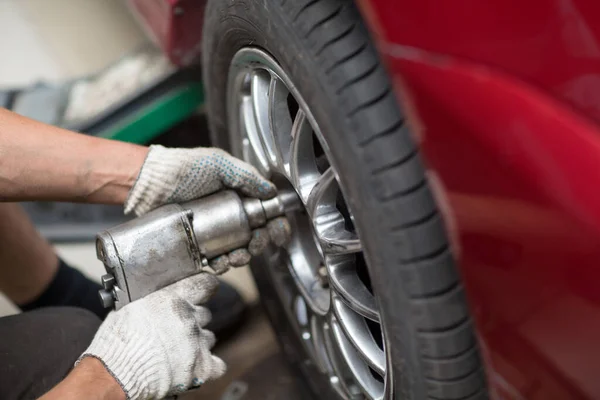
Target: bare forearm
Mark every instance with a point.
(27, 261)
(89, 380)
(43, 162)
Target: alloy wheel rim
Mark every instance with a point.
(321, 277)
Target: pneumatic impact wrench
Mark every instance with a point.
(175, 241)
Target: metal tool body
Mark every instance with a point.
(177, 240)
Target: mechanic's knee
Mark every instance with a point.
(39, 348)
(77, 325)
(69, 329)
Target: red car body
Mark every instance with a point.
(506, 98)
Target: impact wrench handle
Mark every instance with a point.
(175, 241)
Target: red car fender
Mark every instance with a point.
(174, 25)
(516, 150)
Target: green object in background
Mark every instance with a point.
(159, 116)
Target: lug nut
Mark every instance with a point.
(322, 276)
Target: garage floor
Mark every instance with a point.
(257, 371)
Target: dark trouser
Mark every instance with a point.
(38, 349)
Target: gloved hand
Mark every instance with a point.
(155, 346)
(278, 231)
(179, 175)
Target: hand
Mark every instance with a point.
(277, 231)
(156, 346)
(179, 175)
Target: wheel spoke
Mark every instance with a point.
(328, 221)
(310, 344)
(254, 148)
(304, 262)
(357, 331)
(334, 241)
(302, 165)
(310, 329)
(280, 121)
(341, 380)
(322, 195)
(316, 330)
(346, 283)
(370, 386)
(261, 83)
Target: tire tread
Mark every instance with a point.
(449, 353)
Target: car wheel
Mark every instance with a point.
(366, 300)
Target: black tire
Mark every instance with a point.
(324, 46)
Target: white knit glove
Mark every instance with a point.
(179, 175)
(155, 346)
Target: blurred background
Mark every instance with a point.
(61, 39)
(46, 44)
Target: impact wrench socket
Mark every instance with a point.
(176, 241)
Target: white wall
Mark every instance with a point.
(58, 39)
